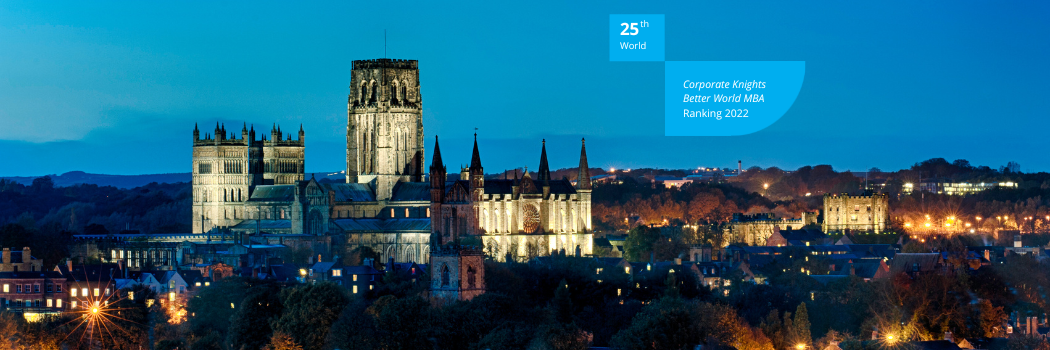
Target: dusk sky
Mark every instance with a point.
(116, 88)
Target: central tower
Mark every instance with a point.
(384, 128)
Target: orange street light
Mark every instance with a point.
(800, 346)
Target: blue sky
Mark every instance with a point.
(115, 87)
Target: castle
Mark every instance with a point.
(843, 212)
(256, 189)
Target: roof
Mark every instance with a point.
(499, 186)
(90, 272)
(323, 266)
(825, 279)
(562, 186)
(803, 235)
(352, 192)
(411, 191)
(905, 262)
(363, 225)
(30, 274)
(360, 270)
(935, 345)
(264, 224)
(273, 193)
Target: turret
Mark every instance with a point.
(196, 132)
(302, 135)
(437, 173)
(218, 132)
(583, 174)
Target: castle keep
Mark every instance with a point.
(843, 212)
(255, 189)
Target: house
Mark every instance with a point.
(33, 292)
(15, 261)
(90, 283)
(914, 264)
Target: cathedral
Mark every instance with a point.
(257, 187)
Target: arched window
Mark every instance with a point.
(372, 98)
(471, 279)
(364, 92)
(404, 92)
(444, 275)
(394, 93)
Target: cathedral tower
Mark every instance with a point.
(384, 130)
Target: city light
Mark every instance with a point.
(800, 346)
(765, 186)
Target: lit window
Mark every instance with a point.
(97, 292)
(7, 288)
(355, 278)
(406, 212)
(58, 303)
(50, 303)
(337, 273)
(83, 292)
(131, 295)
(370, 287)
(73, 304)
(355, 289)
(74, 291)
(206, 283)
(198, 284)
(391, 212)
(428, 212)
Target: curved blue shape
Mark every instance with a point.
(728, 98)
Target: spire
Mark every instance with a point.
(544, 173)
(583, 175)
(300, 128)
(437, 173)
(436, 162)
(195, 128)
(245, 128)
(475, 159)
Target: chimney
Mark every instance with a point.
(677, 261)
(948, 336)
(875, 334)
(739, 167)
(7, 256)
(69, 265)
(26, 255)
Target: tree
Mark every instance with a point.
(250, 325)
(801, 324)
(562, 303)
(639, 242)
(309, 312)
(282, 341)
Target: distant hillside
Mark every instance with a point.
(131, 181)
(119, 181)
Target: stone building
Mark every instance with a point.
(457, 273)
(755, 229)
(522, 218)
(256, 188)
(227, 170)
(867, 213)
(15, 261)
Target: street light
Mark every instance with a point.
(891, 339)
(800, 346)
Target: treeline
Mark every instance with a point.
(154, 208)
(639, 201)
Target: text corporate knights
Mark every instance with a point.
(736, 84)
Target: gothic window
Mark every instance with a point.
(404, 92)
(372, 98)
(393, 93)
(471, 279)
(364, 92)
(444, 275)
